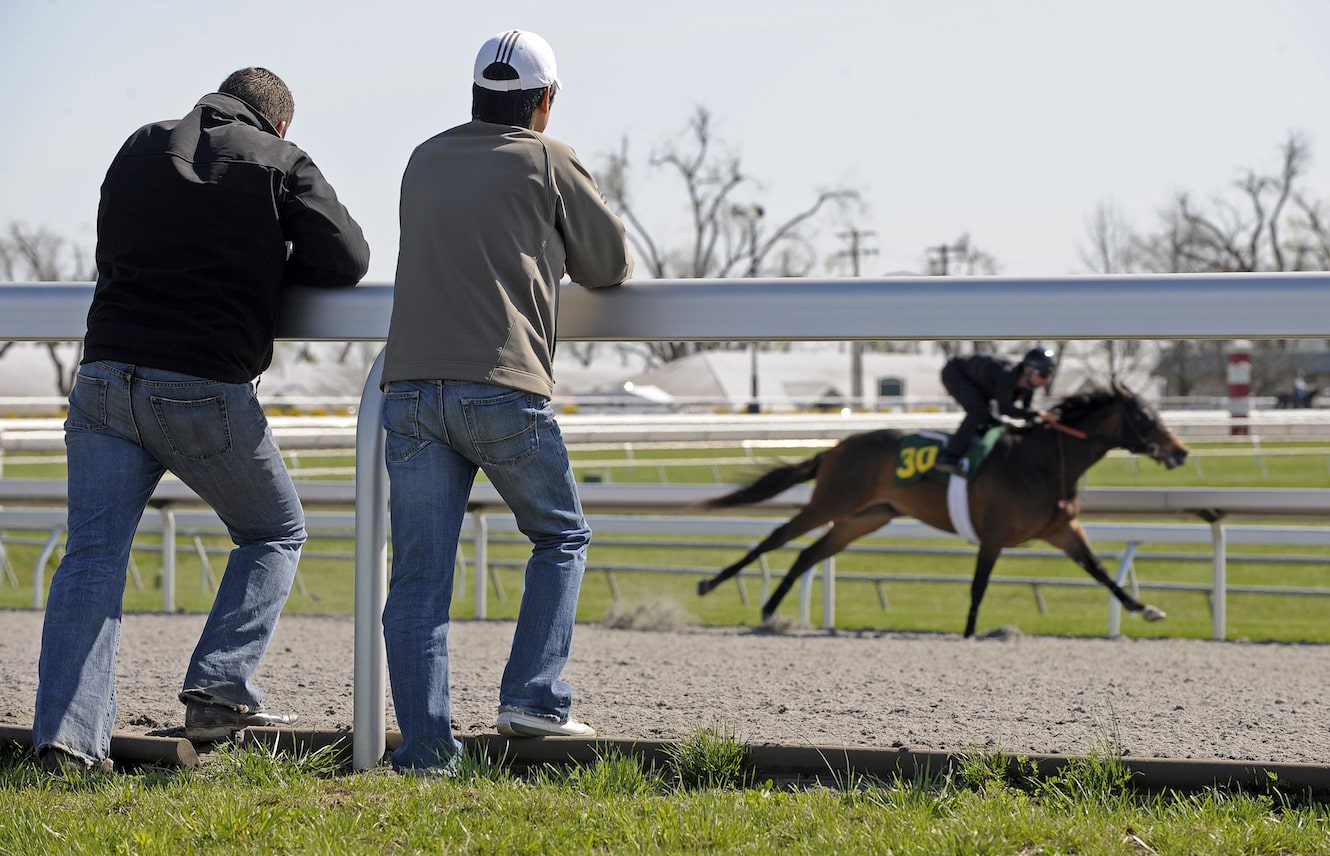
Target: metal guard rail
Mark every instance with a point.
(1201, 306)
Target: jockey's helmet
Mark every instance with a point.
(1041, 361)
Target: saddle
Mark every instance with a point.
(919, 453)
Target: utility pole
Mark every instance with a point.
(855, 252)
(750, 215)
(939, 264)
(944, 253)
(857, 249)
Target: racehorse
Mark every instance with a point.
(1027, 488)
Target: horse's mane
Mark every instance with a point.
(1073, 408)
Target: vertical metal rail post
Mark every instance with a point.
(1219, 596)
(369, 731)
(481, 563)
(1125, 568)
(829, 594)
(168, 559)
(806, 594)
(39, 570)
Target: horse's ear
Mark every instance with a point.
(1120, 389)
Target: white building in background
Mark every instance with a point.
(819, 378)
(807, 376)
(320, 371)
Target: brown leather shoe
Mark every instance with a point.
(205, 723)
(59, 762)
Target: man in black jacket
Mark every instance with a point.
(977, 380)
(203, 221)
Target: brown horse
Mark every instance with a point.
(1026, 489)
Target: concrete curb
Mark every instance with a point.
(842, 764)
(787, 764)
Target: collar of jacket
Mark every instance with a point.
(238, 109)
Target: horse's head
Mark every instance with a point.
(1144, 433)
(1138, 427)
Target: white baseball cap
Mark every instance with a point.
(525, 54)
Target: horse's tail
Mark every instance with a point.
(768, 485)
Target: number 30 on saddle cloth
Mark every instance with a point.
(918, 454)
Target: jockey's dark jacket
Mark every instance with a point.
(202, 221)
(997, 379)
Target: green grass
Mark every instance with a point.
(611, 589)
(249, 801)
(329, 589)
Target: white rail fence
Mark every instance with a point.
(1226, 306)
(663, 510)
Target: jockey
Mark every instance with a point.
(977, 380)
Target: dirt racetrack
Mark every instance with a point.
(1008, 692)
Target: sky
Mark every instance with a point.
(1008, 121)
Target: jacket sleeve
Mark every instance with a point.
(328, 247)
(1011, 399)
(594, 238)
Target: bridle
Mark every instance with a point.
(1134, 418)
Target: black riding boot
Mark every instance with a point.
(951, 459)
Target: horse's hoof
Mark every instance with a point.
(704, 587)
(1153, 613)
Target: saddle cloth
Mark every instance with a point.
(918, 455)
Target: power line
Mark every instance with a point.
(944, 253)
(857, 250)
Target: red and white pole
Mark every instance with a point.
(1239, 385)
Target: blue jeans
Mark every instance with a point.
(127, 426)
(440, 433)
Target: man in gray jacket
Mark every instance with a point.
(493, 215)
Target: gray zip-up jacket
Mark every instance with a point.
(492, 217)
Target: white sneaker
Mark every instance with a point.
(513, 723)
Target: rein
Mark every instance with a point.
(1067, 429)
(1062, 457)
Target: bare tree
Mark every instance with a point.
(1114, 248)
(730, 231)
(1265, 221)
(39, 255)
(1267, 225)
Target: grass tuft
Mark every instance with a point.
(612, 774)
(985, 770)
(262, 762)
(711, 757)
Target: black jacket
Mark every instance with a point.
(996, 379)
(202, 222)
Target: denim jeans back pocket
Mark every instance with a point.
(196, 429)
(87, 404)
(504, 428)
(401, 421)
